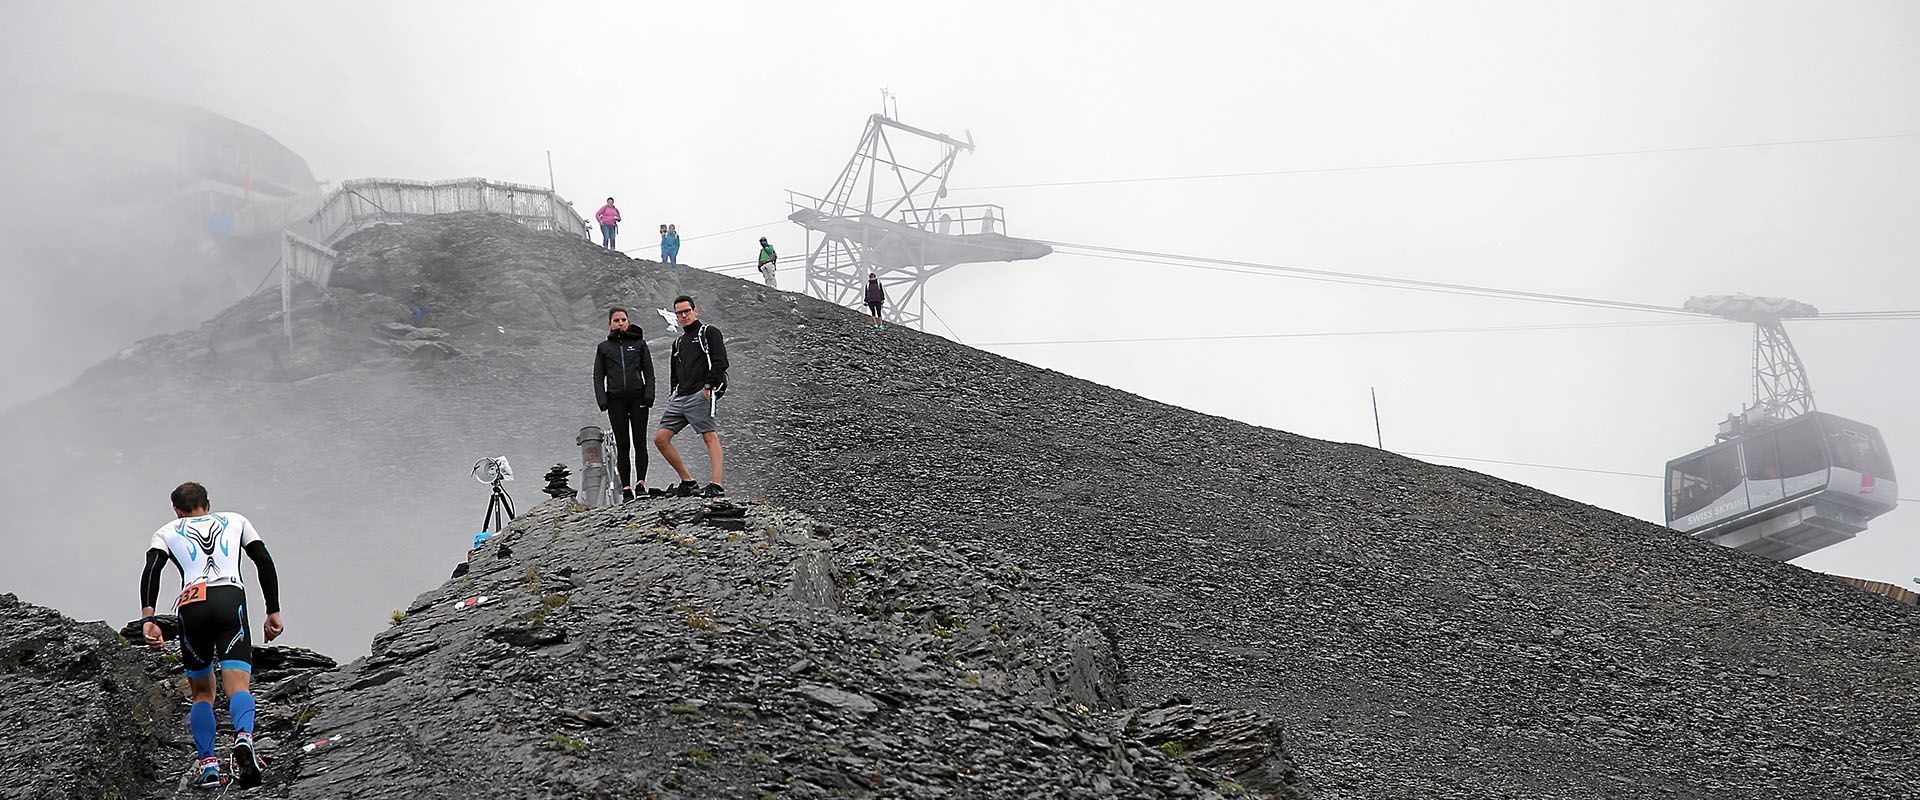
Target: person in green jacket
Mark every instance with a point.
(769, 261)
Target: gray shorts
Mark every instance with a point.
(690, 409)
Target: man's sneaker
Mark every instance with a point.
(247, 764)
(713, 490)
(686, 489)
(208, 774)
(626, 494)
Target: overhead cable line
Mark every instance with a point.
(734, 230)
(1361, 279)
(263, 278)
(1383, 280)
(1424, 164)
(1357, 279)
(1272, 274)
(1376, 167)
(733, 266)
(1862, 315)
(631, 250)
(943, 321)
(1530, 464)
(1331, 334)
(1376, 281)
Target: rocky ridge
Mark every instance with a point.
(1418, 630)
(91, 713)
(686, 648)
(73, 689)
(671, 649)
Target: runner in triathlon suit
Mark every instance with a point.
(205, 548)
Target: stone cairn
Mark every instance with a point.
(557, 482)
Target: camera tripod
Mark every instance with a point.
(499, 509)
(499, 505)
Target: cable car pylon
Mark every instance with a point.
(905, 240)
(1784, 479)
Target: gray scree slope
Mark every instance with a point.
(1422, 631)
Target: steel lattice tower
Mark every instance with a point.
(1780, 388)
(884, 215)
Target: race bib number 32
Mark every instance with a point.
(193, 593)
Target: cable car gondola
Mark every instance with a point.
(1785, 479)
(1784, 490)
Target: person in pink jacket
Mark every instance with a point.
(609, 218)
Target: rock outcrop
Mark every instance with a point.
(671, 648)
(687, 648)
(91, 713)
(81, 718)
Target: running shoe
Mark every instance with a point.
(713, 490)
(209, 774)
(247, 764)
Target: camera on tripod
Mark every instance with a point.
(494, 470)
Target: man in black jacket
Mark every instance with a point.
(623, 386)
(698, 374)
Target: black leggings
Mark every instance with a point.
(213, 633)
(629, 420)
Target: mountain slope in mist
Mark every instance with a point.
(1422, 630)
(123, 217)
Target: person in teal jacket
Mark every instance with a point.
(669, 245)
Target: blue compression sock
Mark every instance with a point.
(240, 707)
(201, 719)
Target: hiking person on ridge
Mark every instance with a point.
(876, 297)
(670, 245)
(420, 307)
(609, 218)
(623, 386)
(769, 261)
(212, 610)
(697, 374)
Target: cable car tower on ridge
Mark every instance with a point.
(1783, 479)
(907, 239)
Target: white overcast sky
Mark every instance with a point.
(703, 114)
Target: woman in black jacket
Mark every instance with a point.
(876, 297)
(623, 386)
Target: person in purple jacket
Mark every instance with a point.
(876, 297)
(609, 218)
